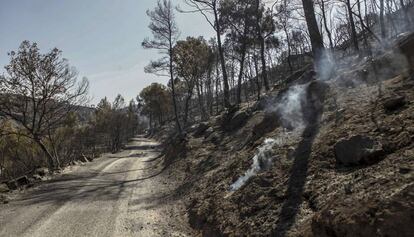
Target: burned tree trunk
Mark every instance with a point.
(315, 35)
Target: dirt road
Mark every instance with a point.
(123, 194)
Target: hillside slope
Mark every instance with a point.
(314, 158)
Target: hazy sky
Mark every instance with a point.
(101, 38)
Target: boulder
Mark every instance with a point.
(21, 181)
(12, 184)
(224, 120)
(357, 150)
(238, 120)
(201, 128)
(4, 188)
(395, 103)
(264, 124)
(41, 171)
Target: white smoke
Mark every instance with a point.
(290, 107)
(356, 68)
(262, 160)
(325, 66)
(264, 156)
(290, 111)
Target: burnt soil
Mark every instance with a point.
(306, 192)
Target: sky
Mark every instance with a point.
(101, 38)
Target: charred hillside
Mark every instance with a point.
(316, 156)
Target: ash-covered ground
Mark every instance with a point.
(332, 157)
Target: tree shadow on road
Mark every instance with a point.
(92, 185)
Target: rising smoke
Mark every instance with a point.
(326, 65)
(265, 156)
(381, 61)
(289, 108)
(262, 160)
(291, 114)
